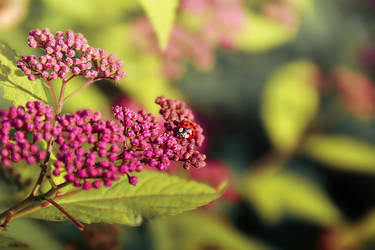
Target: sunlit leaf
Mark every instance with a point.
(74, 13)
(276, 193)
(199, 230)
(31, 234)
(156, 194)
(16, 87)
(342, 152)
(305, 6)
(262, 33)
(290, 101)
(162, 14)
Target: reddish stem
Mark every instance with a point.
(77, 223)
(79, 89)
(53, 92)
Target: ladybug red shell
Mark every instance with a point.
(187, 130)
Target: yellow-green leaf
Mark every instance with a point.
(156, 194)
(16, 87)
(79, 14)
(7, 243)
(30, 234)
(275, 193)
(290, 101)
(198, 230)
(261, 33)
(342, 152)
(162, 14)
(304, 6)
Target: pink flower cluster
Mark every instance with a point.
(88, 148)
(281, 11)
(356, 90)
(21, 130)
(223, 19)
(91, 152)
(175, 147)
(68, 55)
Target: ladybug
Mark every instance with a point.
(187, 130)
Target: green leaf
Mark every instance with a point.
(342, 152)
(304, 6)
(17, 88)
(9, 243)
(198, 230)
(261, 33)
(275, 193)
(290, 101)
(156, 194)
(32, 234)
(162, 14)
(77, 15)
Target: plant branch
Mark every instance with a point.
(61, 98)
(44, 204)
(33, 197)
(53, 92)
(70, 78)
(19, 209)
(38, 184)
(77, 223)
(11, 213)
(59, 106)
(8, 214)
(79, 89)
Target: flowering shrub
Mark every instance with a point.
(288, 113)
(82, 148)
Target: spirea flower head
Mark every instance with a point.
(175, 147)
(67, 55)
(93, 149)
(92, 152)
(21, 129)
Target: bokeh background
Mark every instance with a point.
(285, 92)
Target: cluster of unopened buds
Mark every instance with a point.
(91, 152)
(68, 55)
